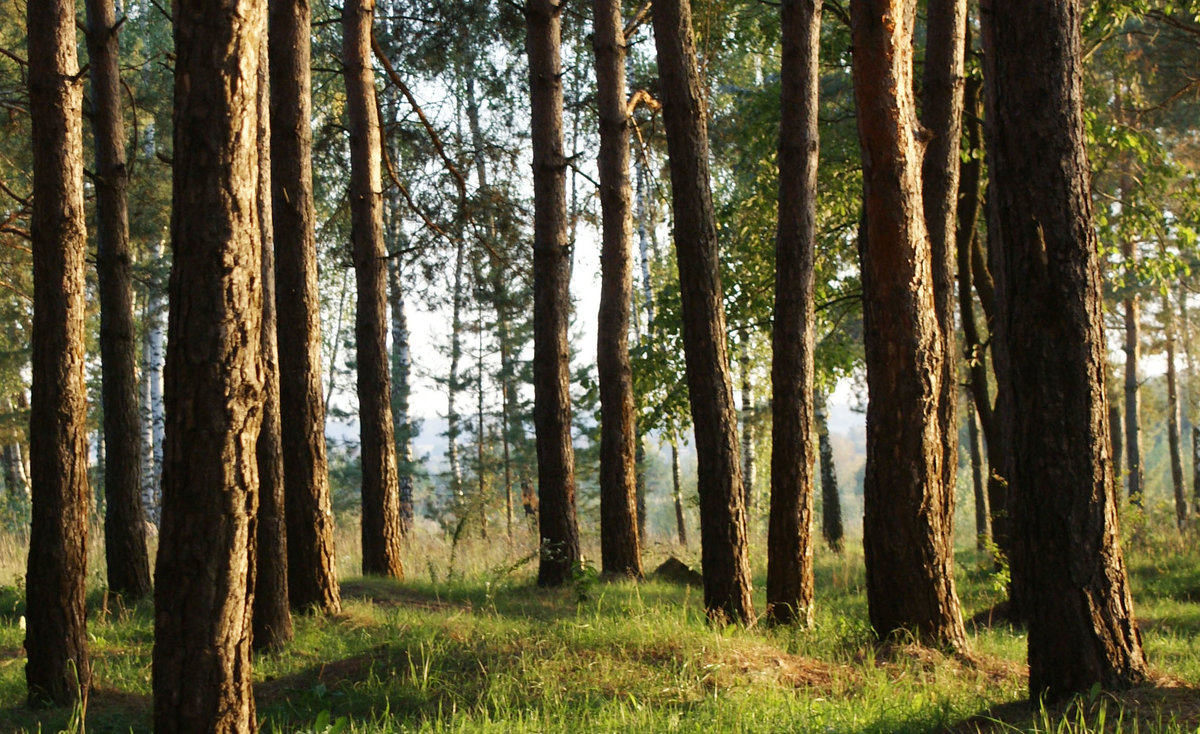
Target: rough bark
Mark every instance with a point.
(124, 524)
(1050, 334)
(620, 550)
(204, 582)
(831, 502)
(58, 670)
(381, 533)
(942, 89)
(789, 539)
(272, 616)
(551, 298)
(907, 531)
(710, 391)
(312, 580)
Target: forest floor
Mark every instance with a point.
(469, 643)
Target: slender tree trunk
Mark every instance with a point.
(747, 417)
(272, 616)
(644, 249)
(124, 524)
(401, 368)
(1189, 404)
(15, 479)
(380, 481)
(723, 543)
(907, 527)
(452, 380)
(983, 528)
(204, 583)
(58, 670)
(153, 355)
(312, 580)
(941, 116)
(831, 519)
(1196, 471)
(1050, 344)
(1132, 349)
(620, 550)
(1181, 505)
(551, 298)
(790, 542)
(677, 493)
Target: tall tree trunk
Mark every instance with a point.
(723, 544)
(124, 525)
(452, 380)
(620, 550)
(1050, 336)
(58, 670)
(831, 503)
(677, 493)
(983, 529)
(1132, 349)
(312, 579)
(907, 531)
(551, 298)
(16, 481)
(380, 480)
(1181, 505)
(204, 582)
(153, 412)
(790, 542)
(941, 116)
(644, 247)
(1196, 470)
(272, 616)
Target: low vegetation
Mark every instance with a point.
(469, 643)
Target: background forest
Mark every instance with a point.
(463, 643)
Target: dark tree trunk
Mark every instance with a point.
(312, 580)
(747, 416)
(58, 670)
(1133, 403)
(272, 616)
(124, 523)
(789, 539)
(907, 531)
(941, 116)
(380, 480)
(724, 554)
(204, 582)
(551, 298)
(1049, 330)
(620, 551)
(1116, 429)
(831, 502)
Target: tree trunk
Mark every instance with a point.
(831, 519)
(152, 394)
(941, 116)
(747, 417)
(677, 493)
(983, 530)
(644, 249)
(312, 579)
(1181, 505)
(204, 582)
(907, 526)
(551, 298)
(401, 368)
(1132, 349)
(790, 542)
(58, 670)
(724, 554)
(620, 550)
(1082, 630)
(380, 480)
(1196, 471)
(272, 616)
(16, 481)
(124, 523)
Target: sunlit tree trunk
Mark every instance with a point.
(204, 579)
(723, 543)
(58, 670)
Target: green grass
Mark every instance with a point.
(478, 647)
